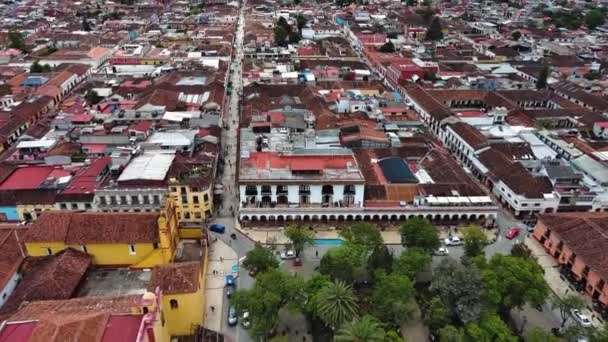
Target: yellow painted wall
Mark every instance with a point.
(31, 208)
(191, 306)
(196, 211)
(103, 254)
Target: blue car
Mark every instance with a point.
(230, 285)
(218, 228)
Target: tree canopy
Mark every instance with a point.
(435, 31)
(387, 47)
(594, 18)
(393, 299)
(273, 291)
(460, 288)
(299, 237)
(365, 329)
(260, 259)
(336, 304)
(510, 282)
(346, 263)
(541, 83)
(381, 259)
(16, 40)
(475, 240)
(411, 262)
(363, 234)
(36, 67)
(419, 232)
(489, 328)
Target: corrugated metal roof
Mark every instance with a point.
(148, 166)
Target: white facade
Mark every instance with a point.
(294, 195)
(548, 204)
(10, 286)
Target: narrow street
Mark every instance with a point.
(227, 258)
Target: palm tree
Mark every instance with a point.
(336, 304)
(366, 329)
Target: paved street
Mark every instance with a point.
(229, 205)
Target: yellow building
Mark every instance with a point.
(183, 295)
(30, 212)
(136, 240)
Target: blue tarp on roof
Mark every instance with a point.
(340, 21)
(397, 96)
(34, 81)
(396, 171)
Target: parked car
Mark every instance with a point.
(218, 228)
(245, 321)
(581, 318)
(232, 318)
(441, 251)
(230, 285)
(453, 241)
(513, 233)
(287, 255)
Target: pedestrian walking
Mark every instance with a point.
(212, 308)
(317, 253)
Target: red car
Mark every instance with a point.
(512, 234)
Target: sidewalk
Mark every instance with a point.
(276, 236)
(553, 278)
(214, 292)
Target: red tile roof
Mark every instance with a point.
(29, 177)
(176, 278)
(87, 179)
(88, 228)
(50, 277)
(12, 251)
(264, 160)
(586, 234)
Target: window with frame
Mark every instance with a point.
(132, 249)
(173, 303)
(135, 199)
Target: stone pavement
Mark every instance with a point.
(221, 259)
(553, 278)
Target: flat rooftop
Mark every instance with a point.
(114, 282)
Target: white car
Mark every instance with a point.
(453, 241)
(581, 318)
(287, 255)
(441, 251)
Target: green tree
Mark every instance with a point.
(426, 12)
(363, 234)
(434, 32)
(280, 35)
(521, 250)
(346, 263)
(85, 24)
(36, 67)
(299, 237)
(381, 258)
(489, 328)
(510, 282)
(273, 290)
(411, 262)
(516, 35)
(365, 329)
(475, 240)
(393, 299)
(92, 97)
(387, 47)
(537, 334)
(565, 305)
(435, 314)
(260, 259)
(300, 21)
(393, 336)
(311, 288)
(594, 18)
(460, 288)
(541, 83)
(419, 232)
(336, 304)
(450, 333)
(16, 40)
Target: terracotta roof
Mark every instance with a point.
(427, 102)
(89, 227)
(586, 234)
(12, 251)
(470, 134)
(50, 277)
(176, 278)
